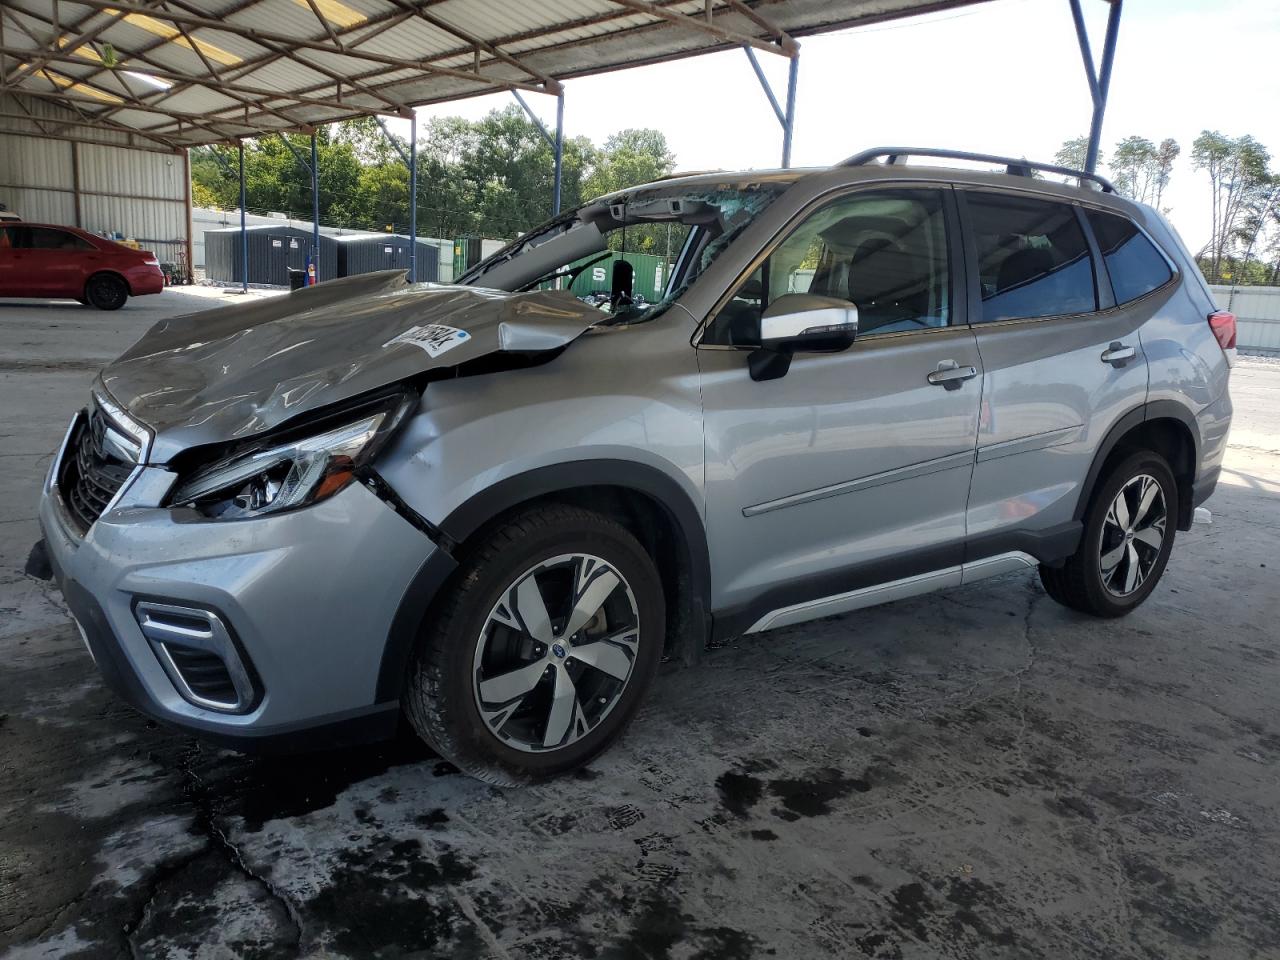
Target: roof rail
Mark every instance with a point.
(1013, 166)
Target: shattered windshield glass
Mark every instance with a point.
(630, 254)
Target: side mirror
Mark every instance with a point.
(801, 323)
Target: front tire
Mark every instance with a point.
(1128, 536)
(541, 649)
(106, 291)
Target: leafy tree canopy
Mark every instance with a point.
(491, 177)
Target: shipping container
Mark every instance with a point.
(273, 251)
(649, 279)
(386, 251)
(466, 254)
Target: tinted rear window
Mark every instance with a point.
(46, 238)
(1135, 265)
(1033, 260)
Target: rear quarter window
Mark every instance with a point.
(1135, 265)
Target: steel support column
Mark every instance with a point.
(411, 161)
(1099, 77)
(559, 150)
(793, 75)
(556, 143)
(244, 233)
(786, 118)
(413, 198)
(315, 207)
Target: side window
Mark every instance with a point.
(883, 251)
(1033, 260)
(1135, 265)
(43, 238)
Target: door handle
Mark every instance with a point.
(1118, 354)
(951, 376)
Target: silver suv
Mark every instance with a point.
(493, 507)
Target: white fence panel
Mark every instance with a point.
(1257, 311)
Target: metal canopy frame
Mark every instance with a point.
(164, 75)
(221, 70)
(1099, 77)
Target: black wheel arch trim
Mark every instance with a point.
(1153, 410)
(474, 513)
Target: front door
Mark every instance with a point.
(49, 262)
(853, 468)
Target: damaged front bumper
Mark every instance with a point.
(290, 630)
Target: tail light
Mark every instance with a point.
(1223, 325)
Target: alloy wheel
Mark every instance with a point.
(1133, 534)
(556, 652)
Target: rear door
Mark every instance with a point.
(853, 468)
(1061, 364)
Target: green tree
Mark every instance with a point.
(1239, 186)
(1133, 168)
(1073, 152)
(1166, 153)
(490, 177)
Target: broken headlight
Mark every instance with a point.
(292, 470)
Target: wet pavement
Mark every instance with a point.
(979, 773)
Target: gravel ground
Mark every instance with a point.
(974, 774)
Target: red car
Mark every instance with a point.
(40, 260)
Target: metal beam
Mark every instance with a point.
(395, 144)
(534, 117)
(315, 207)
(556, 143)
(413, 199)
(268, 39)
(789, 127)
(787, 48)
(786, 117)
(551, 84)
(1100, 77)
(559, 151)
(244, 233)
(302, 161)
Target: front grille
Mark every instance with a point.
(90, 475)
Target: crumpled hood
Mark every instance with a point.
(233, 372)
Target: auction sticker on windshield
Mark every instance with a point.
(435, 338)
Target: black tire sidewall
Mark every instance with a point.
(1103, 600)
(472, 742)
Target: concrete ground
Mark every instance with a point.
(978, 773)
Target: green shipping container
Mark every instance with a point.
(650, 279)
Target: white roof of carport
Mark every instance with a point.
(186, 73)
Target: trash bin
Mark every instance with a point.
(297, 279)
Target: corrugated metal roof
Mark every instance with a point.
(240, 68)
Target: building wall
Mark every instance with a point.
(118, 184)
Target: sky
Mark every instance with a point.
(1001, 77)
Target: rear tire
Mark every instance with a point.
(106, 291)
(1128, 535)
(515, 680)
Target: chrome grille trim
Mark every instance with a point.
(185, 639)
(130, 434)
